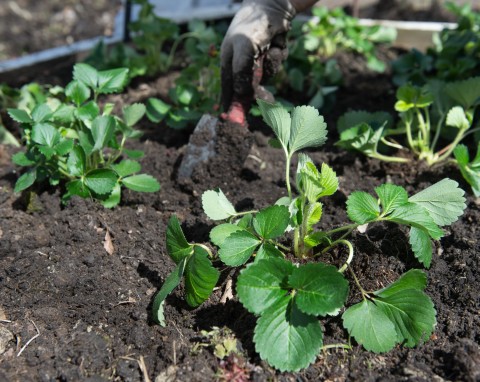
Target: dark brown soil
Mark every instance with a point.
(92, 309)
(28, 26)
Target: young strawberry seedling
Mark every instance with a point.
(283, 282)
(73, 138)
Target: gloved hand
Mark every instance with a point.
(254, 46)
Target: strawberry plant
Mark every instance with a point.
(428, 114)
(282, 281)
(74, 139)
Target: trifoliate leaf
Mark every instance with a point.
(361, 138)
(219, 233)
(370, 327)
(126, 167)
(466, 92)
(112, 81)
(287, 338)
(412, 312)
(177, 246)
(103, 128)
(362, 207)
(26, 180)
(171, 282)
(20, 116)
(86, 74)
(41, 113)
(357, 117)
(410, 96)
(320, 288)
(45, 134)
(413, 279)
(76, 162)
(133, 113)
(101, 181)
(237, 248)
(78, 92)
(416, 216)
(114, 197)
(421, 245)
(444, 201)
(200, 277)
(47, 151)
(391, 197)
(141, 183)
(272, 221)
(456, 118)
(308, 129)
(278, 118)
(267, 251)
(263, 284)
(216, 205)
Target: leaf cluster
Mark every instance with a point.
(289, 298)
(73, 138)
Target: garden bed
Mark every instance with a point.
(92, 310)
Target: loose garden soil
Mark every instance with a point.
(92, 308)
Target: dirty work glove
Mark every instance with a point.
(255, 42)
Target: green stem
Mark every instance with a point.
(387, 158)
(408, 128)
(350, 254)
(423, 128)
(451, 146)
(171, 55)
(284, 247)
(287, 176)
(437, 131)
(348, 227)
(336, 346)
(296, 240)
(357, 282)
(392, 144)
(210, 254)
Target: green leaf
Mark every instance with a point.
(157, 110)
(64, 113)
(329, 181)
(238, 247)
(88, 112)
(76, 187)
(278, 118)
(444, 201)
(219, 233)
(114, 197)
(126, 167)
(362, 138)
(470, 171)
(272, 221)
(19, 115)
(177, 246)
(216, 205)
(63, 147)
(263, 284)
(86, 74)
(133, 113)
(320, 289)
(103, 128)
(22, 159)
(357, 117)
(200, 277)
(313, 215)
(413, 279)
(370, 326)
(286, 337)
(26, 180)
(421, 245)
(141, 183)
(391, 197)
(416, 216)
(86, 141)
(134, 154)
(362, 207)
(456, 118)
(267, 251)
(78, 92)
(412, 312)
(76, 162)
(465, 92)
(171, 282)
(41, 113)
(45, 134)
(308, 129)
(112, 81)
(101, 181)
